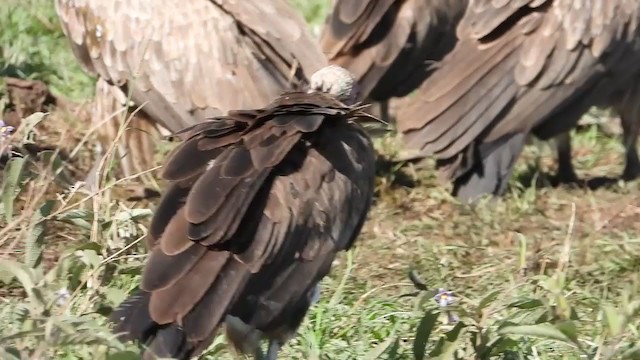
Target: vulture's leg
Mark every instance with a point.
(566, 173)
(140, 139)
(492, 175)
(135, 148)
(274, 348)
(379, 109)
(259, 355)
(631, 127)
(105, 107)
(384, 111)
(243, 338)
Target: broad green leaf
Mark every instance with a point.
(568, 328)
(563, 308)
(89, 257)
(392, 353)
(3, 100)
(79, 217)
(488, 300)
(438, 348)
(29, 123)
(613, 319)
(526, 304)
(449, 349)
(502, 344)
(448, 344)
(23, 274)
(124, 355)
(631, 354)
(545, 331)
(427, 298)
(133, 214)
(114, 295)
(9, 353)
(376, 352)
(52, 158)
(12, 174)
(90, 246)
(76, 214)
(454, 334)
(34, 241)
(633, 308)
(423, 333)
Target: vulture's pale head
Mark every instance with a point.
(336, 81)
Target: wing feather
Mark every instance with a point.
(517, 64)
(188, 60)
(330, 175)
(176, 301)
(260, 220)
(388, 44)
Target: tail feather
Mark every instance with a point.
(132, 318)
(175, 301)
(210, 311)
(133, 322)
(169, 342)
(452, 110)
(491, 173)
(192, 332)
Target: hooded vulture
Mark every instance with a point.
(259, 203)
(520, 67)
(184, 61)
(390, 45)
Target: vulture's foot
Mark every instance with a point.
(566, 175)
(632, 167)
(631, 172)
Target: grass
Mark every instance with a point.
(543, 273)
(32, 45)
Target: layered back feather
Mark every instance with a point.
(260, 202)
(192, 59)
(184, 61)
(390, 45)
(521, 66)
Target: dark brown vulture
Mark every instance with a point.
(520, 67)
(260, 203)
(390, 45)
(184, 61)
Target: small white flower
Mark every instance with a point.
(62, 296)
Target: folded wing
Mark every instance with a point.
(519, 64)
(260, 203)
(189, 60)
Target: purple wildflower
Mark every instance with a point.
(445, 298)
(5, 130)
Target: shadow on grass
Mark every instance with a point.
(394, 171)
(533, 177)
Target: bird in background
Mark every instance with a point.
(258, 205)
(524, 67)
(390, 45)
(183, 61)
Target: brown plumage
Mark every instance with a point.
(259, 204)
(185, 61)
(390, 45)
(520, 66)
